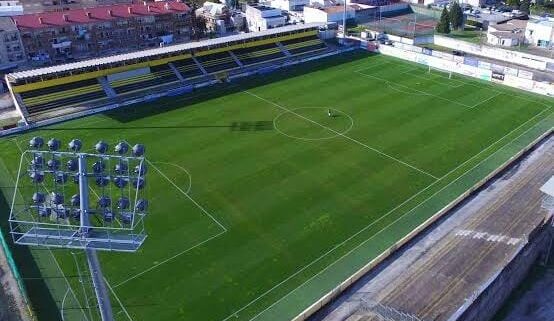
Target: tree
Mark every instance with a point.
(444, 23)
(513, 3)
(524, 6)
(456, 16)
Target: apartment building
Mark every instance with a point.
(55, 37)
(11, 48)
(221, 20)
(261, 17)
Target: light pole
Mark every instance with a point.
(53, 216)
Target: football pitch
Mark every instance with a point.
(262, 202)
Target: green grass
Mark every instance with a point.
(469, 35)
(296, 209)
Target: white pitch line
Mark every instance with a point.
(224, 230)
(484, 101)
(402, 216)
(342, 135)
(118, 300)
(187, 196)
(388, 213)
(380, 63)
(410, 88)
(169, 259)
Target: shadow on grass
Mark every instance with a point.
(43, 304)
(166, 104)
(234, 126)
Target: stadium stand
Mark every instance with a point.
(217, 62)
(187, 68)
(159, 76)
(61, 90)
(303, 45)
(258, 54)
(67, 95)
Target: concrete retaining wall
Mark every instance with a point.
(495, 292)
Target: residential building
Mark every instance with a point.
(290, 5)
(261, 17)
(328, 14)
(11, 48)
(540, 32)
(88, 32)
(10, 8)
(220, 19)
(508, 34)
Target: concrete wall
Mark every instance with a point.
(516, 57)
(495, 293)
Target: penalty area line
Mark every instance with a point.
(223, 230)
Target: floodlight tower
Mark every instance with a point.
(43, 214)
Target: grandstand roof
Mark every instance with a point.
(157, 51)
(97, 14)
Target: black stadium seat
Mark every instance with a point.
(259, 54)
(303, 45)
(158, 76)
(73, 94)
(218, 62)
(188, 68)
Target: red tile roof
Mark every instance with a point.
(97, 14)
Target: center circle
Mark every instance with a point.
(313, 123)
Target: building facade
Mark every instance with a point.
(261, 18)
(11, 48)
(540, 32)
(54, 37)
(328, 14)
(220, 19)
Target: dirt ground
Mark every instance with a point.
(12, 307)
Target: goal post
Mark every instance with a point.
(439, 70)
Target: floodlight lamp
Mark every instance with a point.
(98, 167)
(139, 183)
(138, 150)
(123, 203)
(141, 205)
(140, 169)
(121, 167)
(37, 177)
(54, 144)
(108, 216)
(102, 181)
(104, 201)
(72, 165)
(37, 162)
(75, 145)
(120, 182)
(36, 142)
(38, 198)
(53, 164)
(122, 148)
(101, 147)
(61, 178)
(75, 200)
(57, 198)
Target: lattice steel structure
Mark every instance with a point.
(81, 200)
